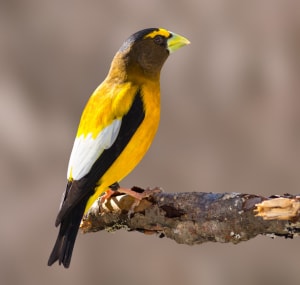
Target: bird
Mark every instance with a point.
(116, 129)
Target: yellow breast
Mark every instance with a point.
(139, 143)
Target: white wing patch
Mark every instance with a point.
(86, 150)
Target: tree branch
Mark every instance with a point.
(197, 217)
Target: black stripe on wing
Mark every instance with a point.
(130, 123)
(79, 189)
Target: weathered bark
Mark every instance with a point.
(197, 217)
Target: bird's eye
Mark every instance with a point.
(159, 40)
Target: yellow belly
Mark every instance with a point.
(137, 146)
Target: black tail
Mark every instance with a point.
(63, 248)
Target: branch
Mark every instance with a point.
(197, 217)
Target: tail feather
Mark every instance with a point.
(63, 248)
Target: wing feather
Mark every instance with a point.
(87, 149)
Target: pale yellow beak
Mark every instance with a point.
(175, 42)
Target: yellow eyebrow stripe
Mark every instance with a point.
(161, 32)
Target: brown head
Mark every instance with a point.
(143, 54)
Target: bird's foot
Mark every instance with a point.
(138, 194)
(107, 195)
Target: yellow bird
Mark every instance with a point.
(116, 129)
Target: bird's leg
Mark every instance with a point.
(115, 189)
(110, 192)
(106, 195)
(137, 193)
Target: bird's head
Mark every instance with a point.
(144, 53)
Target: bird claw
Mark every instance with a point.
(106, 195)
(136, 193)
(138, 197)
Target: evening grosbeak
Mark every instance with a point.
(117, 127)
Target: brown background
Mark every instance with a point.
(230, 122)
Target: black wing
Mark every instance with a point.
(79, 191)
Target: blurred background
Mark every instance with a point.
(230, 122)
